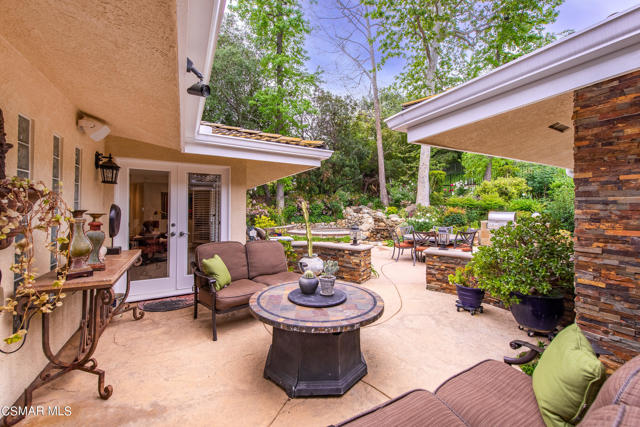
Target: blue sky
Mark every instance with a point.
(574, 15)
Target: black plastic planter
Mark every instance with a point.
(469, 299)
(538, 314)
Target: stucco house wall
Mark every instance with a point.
(24, 90)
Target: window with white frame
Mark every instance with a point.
(76, 178)
(24, 147)
(56, 172)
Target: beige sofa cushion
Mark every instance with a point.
(492, 393)
(417, 408)
(278, 278)
(237, 293)
(614, 416)
(233, 255)
(265, 257)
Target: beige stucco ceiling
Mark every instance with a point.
(521, 134)
(114, 59)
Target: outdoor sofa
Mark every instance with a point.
(492, 393)
(252, 267)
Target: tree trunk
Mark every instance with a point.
(280, 196)
(422, 196)
(384, 196)
(487, 171)
(267, 194)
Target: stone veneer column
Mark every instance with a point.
(607, 233)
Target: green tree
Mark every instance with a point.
(236, 77)
(278, 30)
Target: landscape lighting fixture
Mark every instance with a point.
(559, 127)
(197, 89)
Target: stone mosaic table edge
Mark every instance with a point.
(373, 311)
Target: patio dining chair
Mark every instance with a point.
(399, 241)
(465, 238)
(421, 241)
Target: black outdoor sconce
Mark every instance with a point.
(355, 235)
(197, 89)
(108, 168)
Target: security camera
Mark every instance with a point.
(197, 89)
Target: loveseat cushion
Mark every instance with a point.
(613, 416)
(233, 255)
(416, 408)
(491, 393)
(278, 278)
(567, 378)
(265, 257)
(237, 293)
(623, 386)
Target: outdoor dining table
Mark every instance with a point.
(98, 308)
(315, 351)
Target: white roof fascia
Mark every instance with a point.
(244, 148)
(606, 50)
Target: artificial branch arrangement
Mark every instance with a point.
(26, 208)
(305, 213)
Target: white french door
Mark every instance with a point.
(168, 209)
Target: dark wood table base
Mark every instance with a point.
(306, 364)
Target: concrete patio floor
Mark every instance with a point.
(166, 370)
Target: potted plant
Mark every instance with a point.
(311, 261)
(469, 295)
(529, 267)
(308, 283)
(328, 278)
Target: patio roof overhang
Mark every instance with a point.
(507, 112)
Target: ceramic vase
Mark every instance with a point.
(96, 237)
(313, 263)
(79, 247)
(308, 286)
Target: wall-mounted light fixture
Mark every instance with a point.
(557, 126)
(108, 168)
(197, 89)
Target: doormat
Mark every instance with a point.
(167, 304)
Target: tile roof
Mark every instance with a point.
(219, 129)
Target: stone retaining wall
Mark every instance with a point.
(354, 261)
(439, 264)
(607, 215)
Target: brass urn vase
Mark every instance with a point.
(79, 247)
(96, 237)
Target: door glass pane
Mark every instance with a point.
(148, 222)
(204, 211)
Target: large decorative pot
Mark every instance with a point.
(313, 263)
(469, 299)
(539, 314)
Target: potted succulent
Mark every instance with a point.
(308, 283)
(529, 267)
(328, 278)
(469, 295)
(312, 261)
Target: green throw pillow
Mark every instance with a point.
(214, 267)
(567, 378)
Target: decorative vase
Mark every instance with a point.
(308, 286)
(96, 237)
(326, 285)
(313, 263)
(79, 248)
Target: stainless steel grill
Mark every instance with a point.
(498, 219)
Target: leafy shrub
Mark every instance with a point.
(506, 189)
(561, 206)
(391, 210)
(421, 224)
(263, 221)
(532, 258)
(454, 217)
(525, 205)
(436, 179)
(493, 202)
(436, 198)
(401, 194)
(464, 277)
(290, 211)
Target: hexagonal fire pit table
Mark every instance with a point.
(316, 351)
